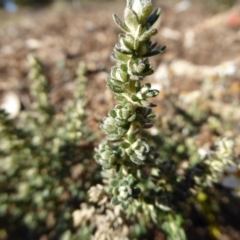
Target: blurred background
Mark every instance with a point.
(201, 65)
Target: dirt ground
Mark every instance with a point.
(62, 36)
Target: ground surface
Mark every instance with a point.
(62, 36)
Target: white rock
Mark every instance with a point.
(182, 6)
(162, 76)
(202, 153)
(184, 68)
(189, 38)
(190, 97)
(154, 131)
(171, 34)
(11, 104)
(226, 69)
(32, 43)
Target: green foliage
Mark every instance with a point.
(172, 226)
(42, 160)
(134, 112)
(148, 185)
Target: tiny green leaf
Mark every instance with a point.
(148, 34)
(131, 20)
(115, 200)
(120, 24)
(155, 52)
(146, 11)
(125, 144)
(153, 17)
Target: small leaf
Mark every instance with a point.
(130, 65)
(137, 6)
(120, 98)
(115, 200)
(125, 145)
(131, 20)
(153, 17)
(124, 205)
(125, 86)
(134, 98)
(115, 89)
(121, 122)
(139, 95)
(147, 125)
(121, 75)
(129, 41)
(155, 52)
(143, 49)
(124, 183)
(152, 93)
(129, 3)
(151, 116)
(140, 118)
(136, 77)
(148, 72)
(137, 86)
(153, 45)
(114, 82)
(123, 67)
(131, 137)
(106, 154)
(118, 106)
(112, 113)
(108, 129)
(113, 137)
(125, 113)
(114, 183)
(131, 179)
(148, 34)
(120, 24)
(122, 49)
(132, 118)
(120, 57)
(140, 68)
(144, 103)
(146, 11)
(113, 71)
(139, 31)
(152, 105)
(106, 166)
(123, 131)
(136, 44)
(145, 88)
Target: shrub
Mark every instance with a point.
(42, 159)
(151, 187)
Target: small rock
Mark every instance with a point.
(189, 39)
(32, 43)
(171, 34)
(11, 104)
(182, 6)
(90, 26)
(184, 68)
(162, 76)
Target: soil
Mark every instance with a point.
(62, 36)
